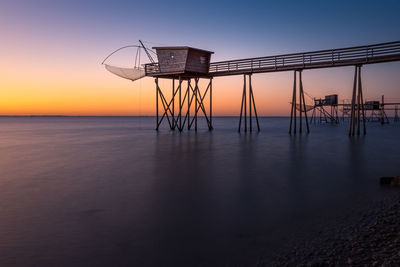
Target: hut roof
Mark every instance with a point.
(179, 48)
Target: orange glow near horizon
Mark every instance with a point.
(66, 92)
(76, 84)
(113, 96)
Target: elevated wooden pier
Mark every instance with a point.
(360, 55)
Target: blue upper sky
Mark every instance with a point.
(230, 28)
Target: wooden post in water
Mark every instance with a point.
(358, 104)
(295, 102)
(353, 99)
(304, 102)
(357, 108)
(188, 106)
(180, 104)
(383, 110)
(362, 101)
(210, 127)
(243, 102)
(173, 104)
(250, 117)
(196, 89)
(254, 104)
(293, 110)
(300, 104)
(156, 80)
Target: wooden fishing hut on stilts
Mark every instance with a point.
(185, 65)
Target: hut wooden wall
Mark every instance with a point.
(169, 64)
(195, 63)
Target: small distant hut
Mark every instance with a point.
(372, 105)
(183, 60)
(331, 100)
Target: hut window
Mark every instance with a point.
(172, 55)
(203, 60)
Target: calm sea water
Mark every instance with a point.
(109, 191)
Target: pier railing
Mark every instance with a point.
(318, 59)
(151, 68)
(384, 52)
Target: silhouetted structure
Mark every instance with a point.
(301, 106)
(251, 105)
(375, 110)
(352, 56)
(327, 109)
(186, 64)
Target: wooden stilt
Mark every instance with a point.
(210, 127)
(362, 100)
(156, 80)
(179, 120)
(383, 110)
(180, 104)
(196, 89)
(245, 104)
(188, 105)
(312, 116)
(250, 115)
(300, 104)
(292, 113)
(353, 99)
(243, 98)
(304, 102)
(173, 104)
(165, 106)
(295, 105)
(358, 104)
(201, 105)
(254, 106)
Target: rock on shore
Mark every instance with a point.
(372, 241)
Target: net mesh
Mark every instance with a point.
(308, 107)
(132, 74)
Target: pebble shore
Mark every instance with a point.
(371, 240)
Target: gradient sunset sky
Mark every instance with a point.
(51, 50)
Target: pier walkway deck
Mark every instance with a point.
(377, 53)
